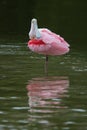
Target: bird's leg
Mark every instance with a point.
(46, 65)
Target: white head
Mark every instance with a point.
(34, 32)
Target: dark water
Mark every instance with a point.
(31, 101)
(65, 17)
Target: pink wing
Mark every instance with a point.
(49, 37)
(57, 44)
(49, 44)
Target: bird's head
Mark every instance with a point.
(34, 32)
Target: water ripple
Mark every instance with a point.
(79, 110)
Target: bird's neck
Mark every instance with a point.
(34, 32)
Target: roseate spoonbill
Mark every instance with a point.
(43, 41)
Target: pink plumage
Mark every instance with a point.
(48, 44)
(43, 41)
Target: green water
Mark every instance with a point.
(31, 101)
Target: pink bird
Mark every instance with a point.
(43, 41)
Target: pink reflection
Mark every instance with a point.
(47, 92)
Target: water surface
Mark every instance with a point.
(31, 100)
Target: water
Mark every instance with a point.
(31, 101)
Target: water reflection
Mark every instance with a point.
(46, 96)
